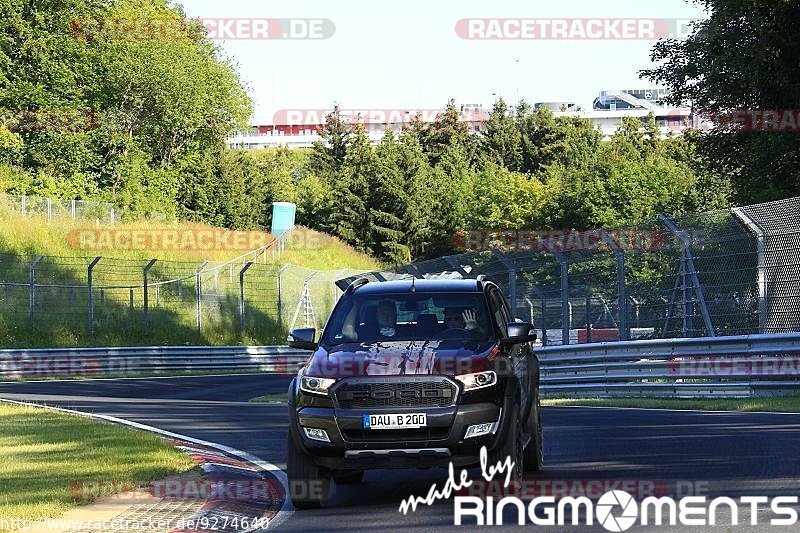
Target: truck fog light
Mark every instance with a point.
(317, 434)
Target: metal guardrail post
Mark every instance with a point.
(566, 309)
(145, 301)
(540, 293)
(241, 293)
(451, 260)
(636, 304)
(280, 297)
(588, 313)
(761, 266)
(411, 269)
(622, 299)
(32, 287)
(622, 294)
(89, 296)
(512, 279)
(199, 291)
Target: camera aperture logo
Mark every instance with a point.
(606, 510)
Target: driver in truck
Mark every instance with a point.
(456, 318)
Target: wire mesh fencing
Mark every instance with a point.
(52, 208)
(727, 272)
(73, 301)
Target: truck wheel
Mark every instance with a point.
(349, 478)
(512, 446)
(309, 485)
(534, 451)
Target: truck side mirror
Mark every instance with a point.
(303, 338)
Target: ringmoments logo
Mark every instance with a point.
(617, 510)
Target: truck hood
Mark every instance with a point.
(397, 358)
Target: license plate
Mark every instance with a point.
(395, 421)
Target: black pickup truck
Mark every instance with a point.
(412, 374)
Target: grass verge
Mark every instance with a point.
(787, 404)
(43, 452)
(61, 308)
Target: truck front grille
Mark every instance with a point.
(438, 392)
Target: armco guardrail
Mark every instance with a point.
(748, 365)
(138, 360)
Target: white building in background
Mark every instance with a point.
(300, 128)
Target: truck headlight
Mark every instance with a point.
(318, 386)
(479, 380)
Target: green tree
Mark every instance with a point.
(745, 56)
(388, 203)
(502, 140)
(328, 155)
(438, 136)
(164, 105)
(351, 217)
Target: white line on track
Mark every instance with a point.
(730, 411)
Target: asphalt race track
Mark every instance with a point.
(730, 454)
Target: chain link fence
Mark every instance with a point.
(68, 301)
(53, 208)
(728, 272)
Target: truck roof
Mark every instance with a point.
(420, 285)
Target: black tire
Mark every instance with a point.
(353, 477)
(534, 451)
(309, 485)
(511, 446)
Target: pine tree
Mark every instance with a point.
(351, 220)
(436, 137)
(502, 140)
(328, 155)
(388, 204)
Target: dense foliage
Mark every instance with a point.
(409, 195)
(139, 121)
(744, 58)
(156, 113)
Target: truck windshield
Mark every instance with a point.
(371, 318)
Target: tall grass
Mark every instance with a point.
(60, 314)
